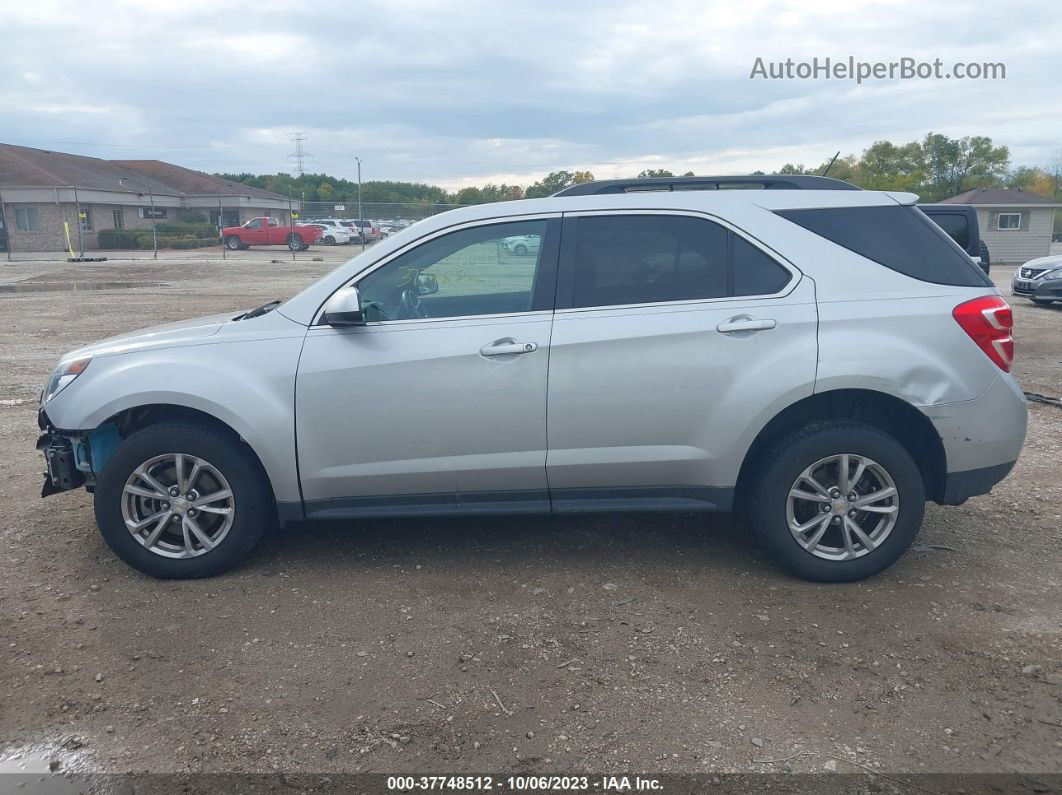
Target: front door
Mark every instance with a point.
(674, 337)
(254, 232)
(437, 403)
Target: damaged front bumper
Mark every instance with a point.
(73, 458)
(62, 473)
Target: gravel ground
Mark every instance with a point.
(663, 643)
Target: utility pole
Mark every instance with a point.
(362, 234)
(221, 225)
(5, 232)
(154, 228)
(80, 238)
(291, 228)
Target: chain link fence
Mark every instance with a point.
(77, 229)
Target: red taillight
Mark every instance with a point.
(989, 322)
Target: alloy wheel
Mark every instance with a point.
(842, 507)
(178, 505)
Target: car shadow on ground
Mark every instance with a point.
(599, 540)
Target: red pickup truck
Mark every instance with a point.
(266, 231)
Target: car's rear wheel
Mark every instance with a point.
(295, 243)
(520, 250)
(837, 502)
(234, 243)
(177, 501)
(329, 240)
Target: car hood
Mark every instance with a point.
(181, 333)
(1052, 261)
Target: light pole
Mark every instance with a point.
(358, 159)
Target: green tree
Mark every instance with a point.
(1034, 180)
(953, 165)
(550, 184)
(650, 173)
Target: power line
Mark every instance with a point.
(300, 155)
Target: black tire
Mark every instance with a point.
(520, 250)
(234, 243)
(790, 456)
(986, 260)
(329, 240)
(1042, 301)
(254, 508)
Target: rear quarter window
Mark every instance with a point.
(901, 238)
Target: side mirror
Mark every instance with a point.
(343, 308)
(427, 284)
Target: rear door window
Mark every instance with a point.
(901, 238)
(617, 260)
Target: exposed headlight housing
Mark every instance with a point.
(1054, 274)
(64, 374)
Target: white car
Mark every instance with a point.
(522, 245)
(332, 235)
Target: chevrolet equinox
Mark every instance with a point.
(823, 357)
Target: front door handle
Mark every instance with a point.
(745, 323)
(508, 347)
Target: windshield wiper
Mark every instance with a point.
(259, 310)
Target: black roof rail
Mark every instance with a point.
(764, 181)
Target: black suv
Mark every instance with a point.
(960, 222)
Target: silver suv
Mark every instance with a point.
(824, 357)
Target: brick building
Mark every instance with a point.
(41, 190)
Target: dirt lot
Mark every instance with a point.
(605, 643)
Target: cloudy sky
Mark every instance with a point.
(465, 92)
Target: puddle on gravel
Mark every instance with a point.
(47, 770)
(71, 287)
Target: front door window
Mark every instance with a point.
(483, 270)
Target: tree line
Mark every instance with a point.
(935, 167)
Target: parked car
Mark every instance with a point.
(337, 224)
(267, 231)
(522, 245)
(370, 233)
(1039, 280)
(812, 352)
(333, 235)
(960, 223)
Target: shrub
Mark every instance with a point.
(196, 230)
(120, 238)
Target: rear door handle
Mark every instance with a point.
(745, 323)
(508, 347)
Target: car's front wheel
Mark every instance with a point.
(837, 502)
(177, 501)
(234, 243)
(1042, 301)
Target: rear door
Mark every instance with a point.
(674, 337)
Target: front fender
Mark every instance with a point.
(248, 385)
